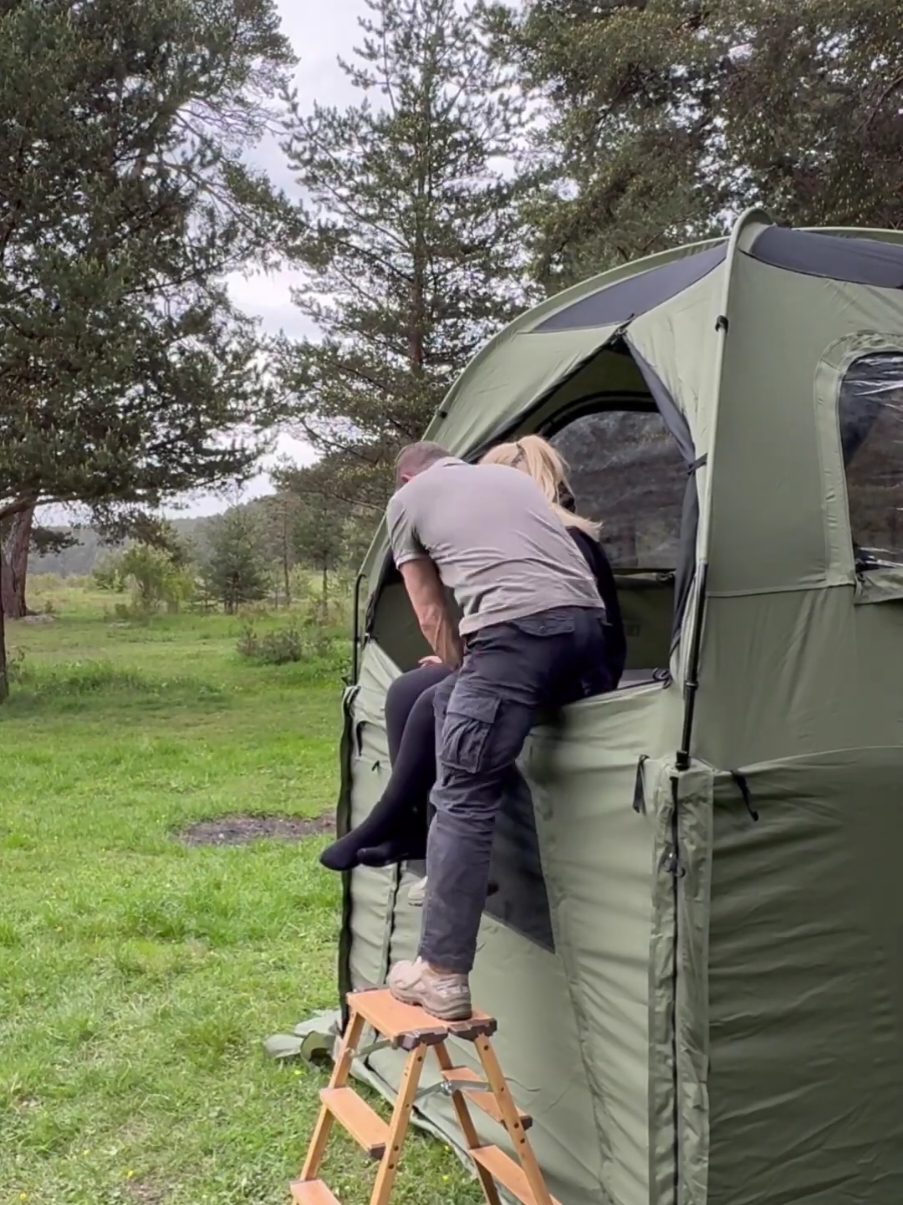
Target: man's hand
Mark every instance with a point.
(431, 660)
(427, 597)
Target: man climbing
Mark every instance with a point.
(532, 637)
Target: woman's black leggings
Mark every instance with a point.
(396, 829)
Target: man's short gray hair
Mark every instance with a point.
(415, 458)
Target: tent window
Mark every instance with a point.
(628, 474)
(871, 430)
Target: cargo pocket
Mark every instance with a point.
(467, 729)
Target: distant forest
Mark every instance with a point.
(80, 559)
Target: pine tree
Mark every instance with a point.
(666, 118)
(124, 203)
(125, 200)
(234, 568)
(320, 539)
(278, 516)
(412, 247)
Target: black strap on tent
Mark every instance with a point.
(639, 787)
(743, 787)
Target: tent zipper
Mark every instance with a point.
(676, 870)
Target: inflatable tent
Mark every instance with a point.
(696, 951)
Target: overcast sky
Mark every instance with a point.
(319, 33)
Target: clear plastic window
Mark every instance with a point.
(871, 432)
(627, 473)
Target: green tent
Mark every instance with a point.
(696, 952)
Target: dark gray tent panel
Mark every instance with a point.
(625, 299)
(695, 957)
(856, 260)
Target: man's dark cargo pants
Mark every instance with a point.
(484, 714)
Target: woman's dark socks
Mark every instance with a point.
(342, 854)
(360, 848)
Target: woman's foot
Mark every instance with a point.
(365, 849)
(342, 854)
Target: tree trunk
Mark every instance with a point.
(4, 676)
(285, 556)
(15, 564)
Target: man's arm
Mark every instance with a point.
(431, 608)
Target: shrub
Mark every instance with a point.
(324, 654)
(278, 647)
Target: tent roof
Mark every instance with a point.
(633, 295)
(852, 258)
(857, 260)
(557, 342)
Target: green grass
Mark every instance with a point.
(138, 977)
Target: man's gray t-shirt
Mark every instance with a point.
(494, 540)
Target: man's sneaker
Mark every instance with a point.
(444, 996)
(417, 894)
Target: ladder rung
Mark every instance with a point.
(364, 1124)
(312, 1192)
(396, 1021)
(507, 1172)
(480, 1097)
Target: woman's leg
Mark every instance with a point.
(403, 820)
(412, 750)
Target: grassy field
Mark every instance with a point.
(139, 975)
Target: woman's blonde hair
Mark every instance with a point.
(535, 456)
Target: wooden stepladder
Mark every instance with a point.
(403, 1027)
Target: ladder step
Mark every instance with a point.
(364, 1124)
(312, 1192)
(396, 1021)
(480, 1097)
(506, 1172)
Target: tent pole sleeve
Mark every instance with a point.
(356, 632)
(691, 686)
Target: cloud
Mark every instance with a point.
(268, 297)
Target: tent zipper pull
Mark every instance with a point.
(674, 866)
(743, 787)
(639, 788)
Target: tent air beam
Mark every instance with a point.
(691, 685)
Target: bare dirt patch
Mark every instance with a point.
(144, 1193)
(239, 830)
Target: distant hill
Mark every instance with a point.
(80, 559)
